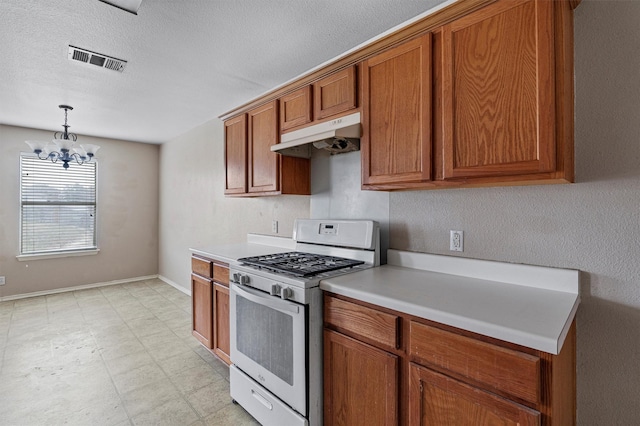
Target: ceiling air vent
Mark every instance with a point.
(98, 59)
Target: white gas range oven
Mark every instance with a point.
(276, 318)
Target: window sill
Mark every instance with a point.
(27, 257)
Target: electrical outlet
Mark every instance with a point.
(456, 241)
(2, 282)
(274, 226)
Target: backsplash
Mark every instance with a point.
(336, 193)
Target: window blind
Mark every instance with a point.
(58, 206)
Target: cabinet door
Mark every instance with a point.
(498, 91)
(335, 94)
(264, 167)
(201, 297)
(435, 399)
(221, 344)
(295, 108)
(396, 144)
(235, 155)
(360, 383)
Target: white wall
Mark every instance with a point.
(127, 217)
(194, 211)
(592, 225)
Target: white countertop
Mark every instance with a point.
(256, 245)
(461, 293)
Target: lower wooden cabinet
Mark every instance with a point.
(436, 399)
(360, 383)
(210, 299)
(201, 298)
(221, 341)
(436, 374)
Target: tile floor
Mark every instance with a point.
(115, 355)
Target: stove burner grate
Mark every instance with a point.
(300, 264)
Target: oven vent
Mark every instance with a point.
(98, 59)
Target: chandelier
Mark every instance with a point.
(63, 146)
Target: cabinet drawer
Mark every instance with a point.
(221, 273)
(202, 267)
(506, 370)
(360, 321)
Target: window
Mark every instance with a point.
(58, 206)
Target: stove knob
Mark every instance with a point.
(275, 290)
(236, 277)
(244, 279)
(286, 293)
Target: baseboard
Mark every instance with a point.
(186, 291)
(79, 287)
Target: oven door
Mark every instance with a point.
(268, 343)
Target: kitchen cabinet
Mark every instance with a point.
(265, 172)
(327, 98)
(479, 93)
(360, 379)
(221, 330)
(360, 382)
(202, 300)
(263, 165)
(235, 137)
(429, 373)
(295, 109)
(396, 141)
(498, 91)
(210, 305)
(335, 94)
(436, 399)
(486, 99)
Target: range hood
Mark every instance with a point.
(337, 136)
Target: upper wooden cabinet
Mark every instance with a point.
(325, 99)
(264, 167)
(335, 94)
(235, 143)
(396, 144)
(295, 109)
(479, 93)
(252, 169)
(498, 91)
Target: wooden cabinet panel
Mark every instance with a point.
(435, 399)
(235, 155)
(203, 267)
(295, 108)
(498, 91)
(396, 142)
(221, 274)
(362, 322)
(335, 94)
(360, 383)
(264, 167)
(202, 303)
(500, 369)
(221, 340)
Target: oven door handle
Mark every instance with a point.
(264, 299)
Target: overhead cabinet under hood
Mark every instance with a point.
(337, 136)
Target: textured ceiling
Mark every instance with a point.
(188, 61)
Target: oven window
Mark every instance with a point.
(265, 336)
